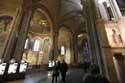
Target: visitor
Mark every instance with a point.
(56, 69)
(63, 70)
(94, 76)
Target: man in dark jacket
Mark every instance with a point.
(63, 70)
(56, 71)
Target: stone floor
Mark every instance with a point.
(43, 76)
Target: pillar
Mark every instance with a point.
(75, 48)
(22, 31)
(93, 40)
(96, 42)
(55, 43)
(56, 26)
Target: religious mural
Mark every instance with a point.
(114, 37)
(4, 30)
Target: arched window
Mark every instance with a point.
(27, 43)
(62, 50)
(36, 45)
(85, 48)
(108, 10)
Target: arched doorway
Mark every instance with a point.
(83, 48)
(41, 39)
(65, 45)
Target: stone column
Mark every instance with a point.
(56, 26)
(95, 42)
(90, 16)
(55, 43)
(23, 31)
(75, 48)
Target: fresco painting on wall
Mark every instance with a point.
(4, 30)
(114, 37)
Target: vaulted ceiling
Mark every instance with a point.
(67, 10)
(39, 23)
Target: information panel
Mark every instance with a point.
(51, 64)
(23, 67)
(12, 68)
(2, 68)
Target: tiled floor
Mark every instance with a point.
(73, 76)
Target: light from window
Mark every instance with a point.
(26, 44)
(36, 45)
(62, 50)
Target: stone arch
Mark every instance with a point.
(67, 27)
(66, 43)
(46, 12)
(83, 47)
(47, 16)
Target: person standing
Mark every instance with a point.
(63, 70)
(86, 66)
(56, 69)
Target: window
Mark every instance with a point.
(62, 50)
(108, 10)
(26, 44)
(36, 45)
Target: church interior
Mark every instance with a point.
(36, 33)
